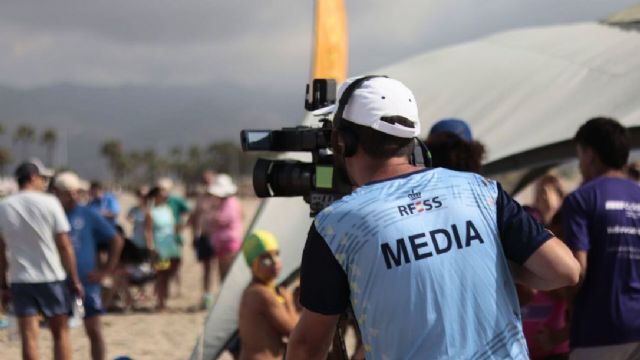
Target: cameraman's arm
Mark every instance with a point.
(545, 263)
(550, 267)
(324, 294)
(312, 336)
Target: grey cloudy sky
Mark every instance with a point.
(159, 73)
(265, 44)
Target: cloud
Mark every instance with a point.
(153, 42)
(265, 44)
(30, 59)
(157, 21)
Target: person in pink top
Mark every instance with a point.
(544, 313)
(227, 222)
(201, 221)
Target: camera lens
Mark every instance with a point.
(282, 178)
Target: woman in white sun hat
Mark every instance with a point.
(227, 222)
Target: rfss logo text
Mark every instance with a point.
(418, 205)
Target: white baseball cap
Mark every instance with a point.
(68, 181)
(376, 98)
(42, 170)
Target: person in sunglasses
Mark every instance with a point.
(267, 312)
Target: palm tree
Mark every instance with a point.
(5, 159)
(193, 165)
(176, 163)
(135, 159)
(25, 134)
(194, 154)
(226, 156)
(150, 160)
(49, 139)
(112, 150)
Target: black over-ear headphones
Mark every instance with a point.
(349, 137)
(421, 154)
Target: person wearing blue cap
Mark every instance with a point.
(452, 146)
(453, 125)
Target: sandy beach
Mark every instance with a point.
(144, 334)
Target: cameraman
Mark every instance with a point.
(422, 255)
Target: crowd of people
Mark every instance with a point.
(431, 262)
(64, 251)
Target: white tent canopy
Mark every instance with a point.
(524, 89)
(520, 91)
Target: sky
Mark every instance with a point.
(239, 63)
(257, 43)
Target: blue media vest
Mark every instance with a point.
(426, 266)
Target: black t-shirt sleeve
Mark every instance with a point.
(521, 234)
(324, 287)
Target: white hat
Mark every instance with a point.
(222, 186)
(376, 98)
(68, 181)
(165, 183)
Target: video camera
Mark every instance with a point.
(319, 182)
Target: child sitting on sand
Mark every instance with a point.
(267, 313)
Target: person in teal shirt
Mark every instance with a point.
(136, 217)
(180, 210)
(160, 237)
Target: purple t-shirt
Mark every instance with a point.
(602, 217)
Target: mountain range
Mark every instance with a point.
(141, 117)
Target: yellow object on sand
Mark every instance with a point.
(162, 265)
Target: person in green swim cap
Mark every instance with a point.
(267, 313)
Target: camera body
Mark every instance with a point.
(320, 182)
